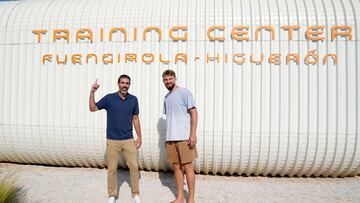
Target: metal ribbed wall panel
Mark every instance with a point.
(253, 119)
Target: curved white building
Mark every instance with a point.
(276, 81)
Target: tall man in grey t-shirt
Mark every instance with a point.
(181, 122)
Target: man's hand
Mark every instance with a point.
(92, 104)
(95, 86)
(192, 140)
(136, 122)
(138, 143)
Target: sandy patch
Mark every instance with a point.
(60, 184)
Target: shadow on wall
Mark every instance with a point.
(163, 163)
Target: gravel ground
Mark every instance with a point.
(59, 184)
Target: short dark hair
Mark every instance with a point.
(168, 72)
(124, 76)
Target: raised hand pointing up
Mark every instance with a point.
(92, 104)
(95, 86)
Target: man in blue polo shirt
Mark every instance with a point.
(122, 112)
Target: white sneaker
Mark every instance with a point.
(111, 200)
(137, 199)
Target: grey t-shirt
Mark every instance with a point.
(176, 107)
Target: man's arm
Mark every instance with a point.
(92, 105)
(194, 119)
(136, 122)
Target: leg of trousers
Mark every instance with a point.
(113, 149)
(131, 156)
(112, 157)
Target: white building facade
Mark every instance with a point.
(275, 81)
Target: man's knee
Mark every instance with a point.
(132, 163)
(112, 172)
(112, 165)
(188, 167)
(176, 166)
(112, 169)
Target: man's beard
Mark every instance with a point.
(170, 87)
(124, 90)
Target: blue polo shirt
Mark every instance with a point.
(119, 115)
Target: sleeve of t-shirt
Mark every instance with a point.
(136, 107)
(190, 101)
(103, 103)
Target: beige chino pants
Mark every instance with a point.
(113, 149)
